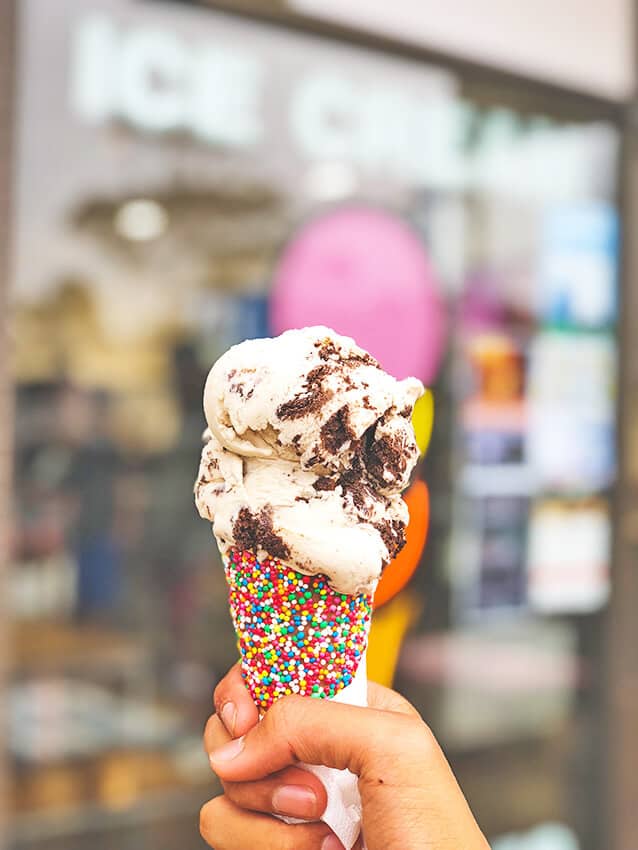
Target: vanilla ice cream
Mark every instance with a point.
(308, 447)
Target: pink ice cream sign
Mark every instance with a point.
(365, 273)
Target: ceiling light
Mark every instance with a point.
(140, 220)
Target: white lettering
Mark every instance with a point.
(92, 57)
(152, 80)
(323, 116)
(157, 82)
(223, 105)
(379, 129)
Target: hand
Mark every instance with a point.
(410, 798)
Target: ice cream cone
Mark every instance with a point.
(308, 448)
(296, 634)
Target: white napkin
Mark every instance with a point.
(343, 811)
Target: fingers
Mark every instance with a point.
(227, 827)
(385, 699)
(317, 732)
(238, 713)
(292, 791)
(215, 734)
(234, 704)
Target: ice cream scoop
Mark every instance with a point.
(309, 445)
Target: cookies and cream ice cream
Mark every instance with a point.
(308, 447)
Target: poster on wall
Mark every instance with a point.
(568, 555)
(578, 266)
(571, 409)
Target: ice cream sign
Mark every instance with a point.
(248, 89)
(227, 92)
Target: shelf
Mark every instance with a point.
(47, 647)
(34, 827)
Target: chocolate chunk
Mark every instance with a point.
(358, 493)
(386, 454)
(324, 482)
(356, 446)
(355, 486)
(363, 359)
(255, 531)
(406, 412)
(317, 374)
(327, 349)
(393, 535)
(309, 399)
(336, 430)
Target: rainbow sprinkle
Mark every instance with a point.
(296, 635)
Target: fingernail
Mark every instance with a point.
(331, 842)
(229, 716)
(298, 801)
(228, 752)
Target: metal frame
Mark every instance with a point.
(621, 645)
(7, 69)
(567, 102)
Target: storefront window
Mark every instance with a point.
(186, 180)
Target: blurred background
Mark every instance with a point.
(451, 188)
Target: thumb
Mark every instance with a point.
(298, 729)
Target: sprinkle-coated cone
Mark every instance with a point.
(296, 634)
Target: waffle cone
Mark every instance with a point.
(295, 633)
